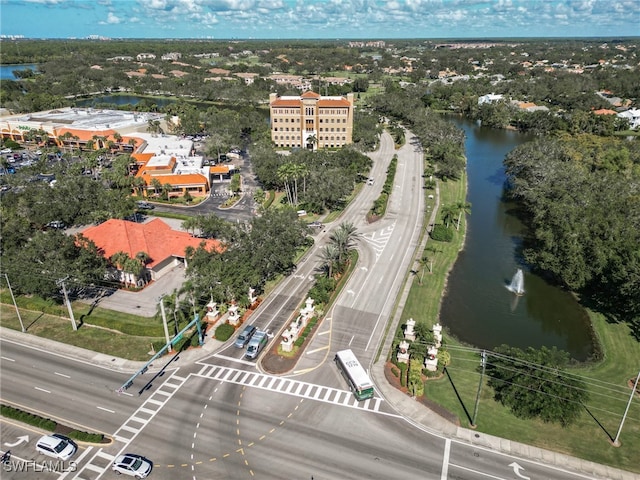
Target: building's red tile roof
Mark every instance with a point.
(310, 94)
(155, 238)
(219, 169)
(605, 111)
(279, 102)
(194, 179)
(334, 103)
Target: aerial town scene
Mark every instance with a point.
(364, 239)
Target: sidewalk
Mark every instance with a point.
(427, 420)
(117, 364)
(414, 411)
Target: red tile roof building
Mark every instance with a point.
(164, 246)
(297, 120)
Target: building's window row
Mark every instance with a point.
(297, 120)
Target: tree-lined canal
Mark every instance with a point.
(477, 307)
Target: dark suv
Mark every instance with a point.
(245, 335)
(145, 206)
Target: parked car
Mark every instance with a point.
(256, 344)
(132, 465)
(56, 446)
(5, 150)
(245, 335)
(315, 224)
(145, 206)
(56, 224)
(370, 181)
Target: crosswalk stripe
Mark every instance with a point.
(290, 386)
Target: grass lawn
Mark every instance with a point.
(589, 438)
(606, 380)
(98, 339)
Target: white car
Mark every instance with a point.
(6, 150)
(56, 446)
(133, 465)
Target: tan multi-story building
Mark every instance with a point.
(311, 121)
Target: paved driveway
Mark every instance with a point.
(144, 303)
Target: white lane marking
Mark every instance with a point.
(445, 460)
(105, 409)
(61, 375)
(7, 359)
(42, 389)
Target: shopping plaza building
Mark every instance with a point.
(169, 159)
(311, 120)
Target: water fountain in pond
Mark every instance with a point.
(517, 283)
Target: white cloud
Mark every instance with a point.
(112, 19)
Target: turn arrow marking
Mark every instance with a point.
(516, 470)
(23, 438)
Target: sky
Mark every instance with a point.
(322, 19)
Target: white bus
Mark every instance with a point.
(359, 382)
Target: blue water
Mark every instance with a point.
(477, 307)
(6, 71)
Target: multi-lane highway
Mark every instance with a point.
(223, 417)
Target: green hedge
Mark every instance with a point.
(441, 233)
(28, 418)
(47, 424)
(224, 332)
(86, 437)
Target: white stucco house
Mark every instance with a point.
(633, 115)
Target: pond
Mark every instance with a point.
(478, 308)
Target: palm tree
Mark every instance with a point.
(344, 240)
(423, 264)
(118, 260)
(138, 184)
(463, 207)
(299, 170)
(448, 214)
(157, 185)
(133, 270)
(143, 258)
(190, 224)
(166, 188)
(285, 174)
(330, 258)
(312, 140)
(118, 138)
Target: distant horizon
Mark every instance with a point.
(338, 39)
(245, 20)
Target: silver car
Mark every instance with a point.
(56, 446)
(133, 465)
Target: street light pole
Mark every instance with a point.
(164, 324)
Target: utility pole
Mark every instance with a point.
(483, 362)
(66, 300)
(15, 304)
(633, 392)
(164, 324)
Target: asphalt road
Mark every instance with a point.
(222, 417)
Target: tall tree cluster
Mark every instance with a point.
(581, 200)
(252, 254)
(534, 384)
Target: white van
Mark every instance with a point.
(256, 344)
